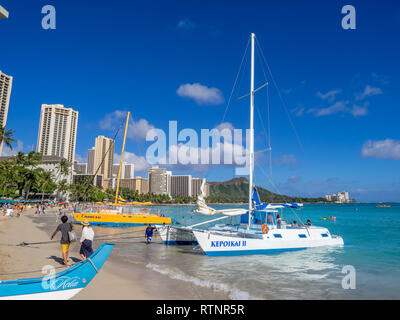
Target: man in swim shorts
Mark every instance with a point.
(149, 233)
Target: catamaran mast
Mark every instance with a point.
(251, 165)
(122, 157)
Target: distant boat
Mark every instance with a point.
(61, 286)
(383, 206)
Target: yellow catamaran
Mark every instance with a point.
(121, 212)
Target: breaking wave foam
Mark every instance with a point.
(233, 294)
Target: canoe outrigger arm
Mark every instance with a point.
(91, 262)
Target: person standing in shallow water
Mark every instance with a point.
(149, 233)
(64, 228)
(86, 240)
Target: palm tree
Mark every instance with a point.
(62, 168)
(6, 137)
(62, 171)
(24, 166)
(7, 176)
(62, 186)
(44, 181)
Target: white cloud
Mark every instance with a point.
(286, 160)
(298, 111)
(111, 120)
(383, 149)
(80, 159)
(225, 125)
(293, 179)
(137, 130)
(141, 164)
(341, 107)
(202, 95)
(186, 24)
(8, 152)
(358, 111)
(330, 95)
(382, 79)
(335, 108)
(369, 91)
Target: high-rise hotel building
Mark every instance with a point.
(5, 93)
(90, 159)
(103, 157)
(57, 131)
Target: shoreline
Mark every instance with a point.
(117, 280)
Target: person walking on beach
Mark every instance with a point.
(86, 240)
(65, 227)
(149, 233)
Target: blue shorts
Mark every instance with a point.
(86, 248)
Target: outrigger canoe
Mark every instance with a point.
(61, 286)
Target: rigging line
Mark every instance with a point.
(278, 191)
(262, 124)
(268, 110)
(281, 98)
(269, 134)
(234, 84)
(263, 150)
(109, 148)
(34, 271)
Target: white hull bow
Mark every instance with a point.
(276, 240)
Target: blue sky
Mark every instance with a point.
(340, 87)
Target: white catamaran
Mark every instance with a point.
(261, 231)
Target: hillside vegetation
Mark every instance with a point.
(237, 190)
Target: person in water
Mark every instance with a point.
(149, 233)
(309, 223)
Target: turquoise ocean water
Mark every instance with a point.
(372, 243)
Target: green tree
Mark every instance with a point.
(6, 137)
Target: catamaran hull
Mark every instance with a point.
(120, 220)
(219, 244)
(176, 236)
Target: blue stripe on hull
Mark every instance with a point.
(249, 252)
(181, 243)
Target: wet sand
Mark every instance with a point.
(117, 280)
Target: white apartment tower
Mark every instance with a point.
(127, 171)
(57, 131)
(103, 157)
(90, 166)
(5, 93)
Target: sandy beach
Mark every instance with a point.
(116, 281)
